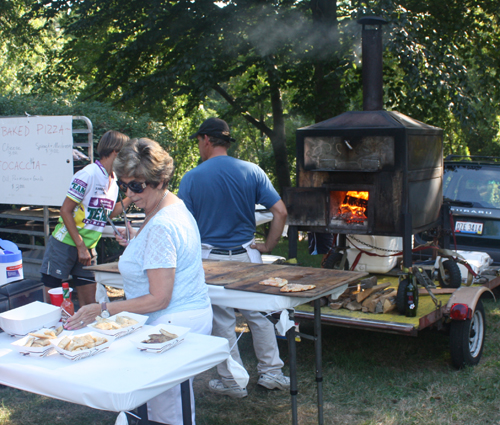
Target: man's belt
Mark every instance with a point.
(236, 251)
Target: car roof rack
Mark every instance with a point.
(476, 159)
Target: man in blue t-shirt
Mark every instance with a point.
(221, 193)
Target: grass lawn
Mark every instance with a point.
(370, 378)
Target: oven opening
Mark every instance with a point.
(349, 208)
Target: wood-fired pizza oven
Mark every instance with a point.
(370, 172)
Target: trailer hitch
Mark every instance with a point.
(427, 283)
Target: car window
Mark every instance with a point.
(475, 184)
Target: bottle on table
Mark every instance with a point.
(67, 306)
(411, 297)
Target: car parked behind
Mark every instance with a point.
(471, 186)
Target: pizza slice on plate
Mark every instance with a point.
(274, 281)
(296, 287)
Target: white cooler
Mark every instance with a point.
(11, 262)
(381, 245)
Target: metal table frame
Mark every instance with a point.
(292, 352)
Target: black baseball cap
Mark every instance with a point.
(214, 127)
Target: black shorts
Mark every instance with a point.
(61, 260)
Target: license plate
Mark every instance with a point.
(469, 227)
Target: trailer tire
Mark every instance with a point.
(333, 261)
(452, 277)
(467, 338)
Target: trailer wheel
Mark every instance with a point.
(467, 338)
(334, 260)
(452, 277)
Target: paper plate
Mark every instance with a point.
(118, 333)
(82, 354)
(36, 351)
(137, 339)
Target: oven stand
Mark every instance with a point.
(186, 407)
(291, 334)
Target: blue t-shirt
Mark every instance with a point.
(221, 193)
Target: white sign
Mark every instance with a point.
(36, 159)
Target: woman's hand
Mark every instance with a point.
(122, 236)
(83, 317)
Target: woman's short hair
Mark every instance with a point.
(145, 159)
(111, 141)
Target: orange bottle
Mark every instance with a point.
(67, 306)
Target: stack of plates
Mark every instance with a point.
(82, 354)
(159, 348)
(118, 333)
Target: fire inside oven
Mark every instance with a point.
(349, 208)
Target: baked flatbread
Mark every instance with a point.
(79, 343)
(274, 281)
(296, 287)
(42, 336)
(111, 325)
(64, 343)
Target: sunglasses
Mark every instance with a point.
(134, 186)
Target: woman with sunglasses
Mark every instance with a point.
(161, 266)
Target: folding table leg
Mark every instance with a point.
(186, 403)
(318, 350)
(142, 411)
(292, 352)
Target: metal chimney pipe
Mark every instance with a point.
(371, 51)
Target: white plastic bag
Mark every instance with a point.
(122, 419)
(284, 323)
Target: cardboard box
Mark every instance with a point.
(30, 317)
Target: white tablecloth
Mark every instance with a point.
(230, 297)
(120, 379)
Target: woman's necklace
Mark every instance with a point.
(152, 213)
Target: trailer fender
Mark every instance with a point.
(468, 295)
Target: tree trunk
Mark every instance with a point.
(278, 135)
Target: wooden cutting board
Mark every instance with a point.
(246, 278)
(225, 272)
(221, 272)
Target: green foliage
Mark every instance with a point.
(28, 46)
(267, 67)
(442, 61)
